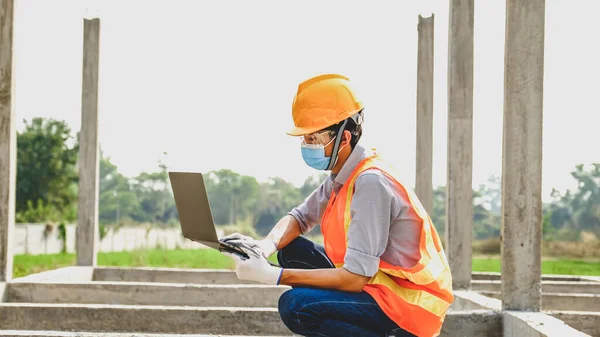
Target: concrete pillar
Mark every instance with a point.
(522, 155)
(87, 221)
(459, 191)
(8, 141)
(424, 172)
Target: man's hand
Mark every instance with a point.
(266, 247)
(256, 269)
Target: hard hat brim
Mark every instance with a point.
(296, 131)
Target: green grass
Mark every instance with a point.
(549, 266)
(209, 258)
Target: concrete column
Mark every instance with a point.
(522, 155)
(423, 184)
(459, 191)
(8, 141)
(87, 222)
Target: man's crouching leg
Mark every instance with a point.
(319, 312)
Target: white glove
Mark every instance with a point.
(256, 269)
(266, 246)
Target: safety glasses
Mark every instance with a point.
(320, 138)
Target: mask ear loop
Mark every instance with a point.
(333, 159)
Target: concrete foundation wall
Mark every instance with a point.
(480, 323)
(151, 319)
(2, 292)
(554, 301)
(34, 239)
(195, 320)
(546, 277)
(582, 287)
(168, 300)
(588, 322)
(470, 300)
(146, 294)
(33, 333)
(74, 274)
(167, 275)
(534, 324)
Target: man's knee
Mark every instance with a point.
(292, 251)
(291, 310)
(287, 311)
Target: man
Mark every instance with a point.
(382, 270)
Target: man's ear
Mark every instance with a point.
(346, 138)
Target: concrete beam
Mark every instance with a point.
(522, 155)
(149, 319)
(459, 193)
(195, 320)
(89, 155)
(545, 277)
(74, 274)
(587, 322)
(2, 292)
(33, 333)
(8, 141)
(146, 294)
(535, 324)
(480, 323)
(470, 300)
(168, 275)
(557, 301)
(547, 286)
(424, 161)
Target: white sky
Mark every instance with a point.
(211, 82)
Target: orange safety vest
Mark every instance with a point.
(415, 298)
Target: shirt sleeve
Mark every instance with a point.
(369, 228)
(309, 213)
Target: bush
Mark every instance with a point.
(38, 213)
(491, 246)
(572, 249)
(562, 249)
(243, 227)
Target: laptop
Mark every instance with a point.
(195, 216)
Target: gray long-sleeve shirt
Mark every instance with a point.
(384, 224)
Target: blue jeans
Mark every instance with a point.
(320, 312)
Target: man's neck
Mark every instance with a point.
(342, 157)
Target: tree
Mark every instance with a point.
(486, 210)
(312, 183)
(232, 196)
(156, 203)
(277, 198)
(46, 169)
(117, 199)
(579, 210)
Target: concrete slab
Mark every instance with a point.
(588, 322)
(167, 275)
(584, 287)
(535, 324)
(480, 323)
(74, 274)
(136, 293)
(557, 301)
(146, 319)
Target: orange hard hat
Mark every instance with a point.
(322, 101)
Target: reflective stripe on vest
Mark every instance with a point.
(416, 298)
